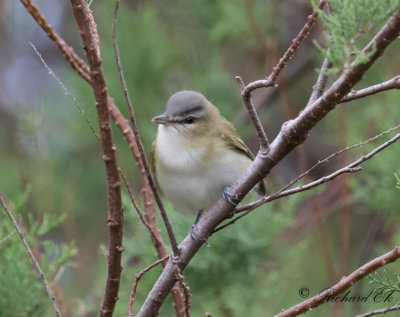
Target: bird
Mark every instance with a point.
(197, 154)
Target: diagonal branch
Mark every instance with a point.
(351, 168)
(88, 33)
(137, 279)
(343, 285)
(380, 311)
(143, 158)
(320, 85)
(292, 133)
(68, 52)
(271, 80)
(393, 83)
(33, 259)
(336, 154)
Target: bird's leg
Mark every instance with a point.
(198, 217)
(192, 228)
(228, 198)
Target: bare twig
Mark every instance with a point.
(143, 158)
(393, 83)
(68, 52)
(296, 43)
(353, 167)
(67, 92)
(380, 311)
(30, 253)
(7, 237)
(88, 33)
(271, 81)
(186, 291)
(319, 86)
(344, 284)
(137, 279)
(253, 205)
(335, 154)
(136, 206)
(262, 137)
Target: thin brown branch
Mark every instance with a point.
(143, 158)
(393, 83)
(349, 168)
(186, 291)
(68, 52)
(88, 33)
(33, 259)
(319, 87)
(336, 154)
(296, 43)
(380, 311)
(251, 206)
(271, 80)
(136, 207)
(137, 279)
(67, 92)
(344, 284)
(8, 236)
(293, 132)
(251, 110)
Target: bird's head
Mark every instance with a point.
(189, 113)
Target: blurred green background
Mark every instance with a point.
(53, 175)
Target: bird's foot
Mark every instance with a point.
(192, 230)
(228, 198)
(195, 236)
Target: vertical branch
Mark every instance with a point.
(251, 110)
(319, 87)
(149, 189)
(143, 159)
(30, 253)
(88, 33)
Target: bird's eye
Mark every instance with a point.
(189, 120)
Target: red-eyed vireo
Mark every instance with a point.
(197, 153)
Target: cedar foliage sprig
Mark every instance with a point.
(385, 285)
(346, 22)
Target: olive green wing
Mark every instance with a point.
(233, 140)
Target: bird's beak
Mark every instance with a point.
(161, 119)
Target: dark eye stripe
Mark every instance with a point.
(191, 111)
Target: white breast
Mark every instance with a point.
(190, 176)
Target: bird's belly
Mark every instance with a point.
(192, 185)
